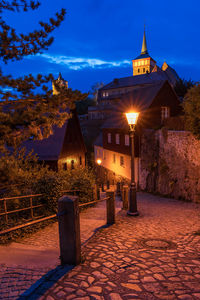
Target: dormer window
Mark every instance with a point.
(165, 112)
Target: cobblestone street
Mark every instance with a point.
(153, 256)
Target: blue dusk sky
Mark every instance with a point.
(99, 38)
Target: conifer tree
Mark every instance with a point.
(27, 106)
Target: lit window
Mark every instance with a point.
(145, 62)
(114, 158)
(142, 63)
(117, 139)
(139, 63)
(127, 140)
(165, 113)
(109, 138)
(104, 94)
(136, 64)
(121, 161)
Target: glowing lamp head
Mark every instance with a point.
(132, 118)
(99, 161)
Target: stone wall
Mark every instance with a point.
(170, 164)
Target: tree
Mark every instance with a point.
(27, 106)
(182, 86)
(191, 106)
(95, 89)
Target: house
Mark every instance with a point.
(64, 148)
(146, 72)
(155, 103)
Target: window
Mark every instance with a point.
(72, 164)
(104, 154)
(127, 142)
(138, 70)
(109, 138)
(136, 63)
(165, 112)
(65, 166)
(121, 161)
(143, 70)
(139, 63)
(114, 158)
(117, 139)
(104, 94)
(80, 160)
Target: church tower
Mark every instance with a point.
(143, 63)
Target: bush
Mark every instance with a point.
(191, 106)
(83, 180)
(53, 184)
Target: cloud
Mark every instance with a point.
(78, 63)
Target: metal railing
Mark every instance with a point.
(33, 218)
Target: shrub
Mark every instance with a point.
(82, 179)
(191, 106)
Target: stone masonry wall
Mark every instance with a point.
(170, 164)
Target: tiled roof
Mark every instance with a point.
(138, 100)
(143, 79)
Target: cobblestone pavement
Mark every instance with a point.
(25, 262)
(153, 256)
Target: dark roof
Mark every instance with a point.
(141, 98)
(143, 56)
(138, 100)
(49, 148)
(143, 79)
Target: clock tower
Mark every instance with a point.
(143, 63)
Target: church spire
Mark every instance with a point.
(144, 44)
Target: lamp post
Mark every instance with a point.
(99, 161)
(132, 120)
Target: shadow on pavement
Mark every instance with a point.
(45, 282)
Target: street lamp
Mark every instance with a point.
(132, 118)
(99, 161)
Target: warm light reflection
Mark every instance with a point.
(99, 161)
(132, 118)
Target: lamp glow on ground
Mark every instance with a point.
(132, 118)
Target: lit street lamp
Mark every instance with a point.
(132, 118)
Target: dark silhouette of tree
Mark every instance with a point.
(182, 86)
(191, 106)
(27, 106)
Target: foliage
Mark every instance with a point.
(182, 86)
(27, 106)
(18, 170)
(51, 186)
(191, 106)
(82, 106)
(94, 90)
